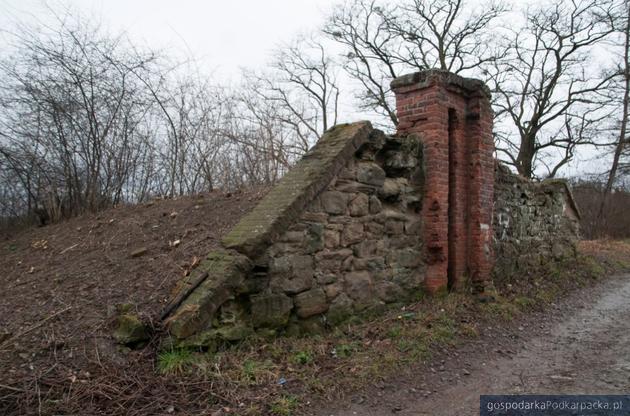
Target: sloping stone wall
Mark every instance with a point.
(534, 223)
(339, 234)
(357, 245)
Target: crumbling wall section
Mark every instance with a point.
(534, 223)
(340, 233)
(366, 219)
(358, 245)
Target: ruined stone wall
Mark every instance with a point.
(357, 245)
(534, 223)
(340, 233)
(366, 219)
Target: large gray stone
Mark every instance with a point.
(393, 187)
(389, 292)
(394, 227)
(365, 248)
(358, 285)
(331, 239)
(314, 238)
(271, 310)
(406, 257)
(340, 309)
(352, 233)
(360, 205)
(351, 186)
(332, 290)
(371, 174)
(373, 264)
(281, 265)
(375, 205)
(408, 279)
(292, 285)
(311, 302)
(130, 330)
(334, 202)
(400, 160)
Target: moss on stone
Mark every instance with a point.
(227, 272)
(130, 330)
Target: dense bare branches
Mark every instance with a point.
(445, 34)
(72, 105)
(88, 121)
(547, 88)
(619, 18)
(383, 40)
(302, 86)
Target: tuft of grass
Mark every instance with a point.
(501, 308)
(469, 331)
(524, 302)
(548, 294)
(345, 350)
(302, 357)
(255, 371)
(284, 405)
(443, 330)
(175, 362)
(394, 332)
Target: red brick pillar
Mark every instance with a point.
(453, 118)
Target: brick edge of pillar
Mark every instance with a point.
(419, 97)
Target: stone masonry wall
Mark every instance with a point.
(357, 245)
(366, 219)
(534, 223)
(339, 234)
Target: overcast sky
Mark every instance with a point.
(223, 34)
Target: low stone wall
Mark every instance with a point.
(339, 234)
(534, 223)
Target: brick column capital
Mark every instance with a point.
(416, 81)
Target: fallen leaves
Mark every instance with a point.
(40, 244)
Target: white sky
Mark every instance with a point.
(222, 34)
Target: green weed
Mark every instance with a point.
(302, 357)
(175, 362)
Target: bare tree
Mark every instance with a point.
(620, 18)
(546, 87)
(72, 106)
(302, 81)
(444, 34)
(382, 41)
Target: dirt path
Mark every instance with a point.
(579, 346)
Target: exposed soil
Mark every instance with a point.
(60, 284)
(580, 345)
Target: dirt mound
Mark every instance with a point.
(60, 284)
